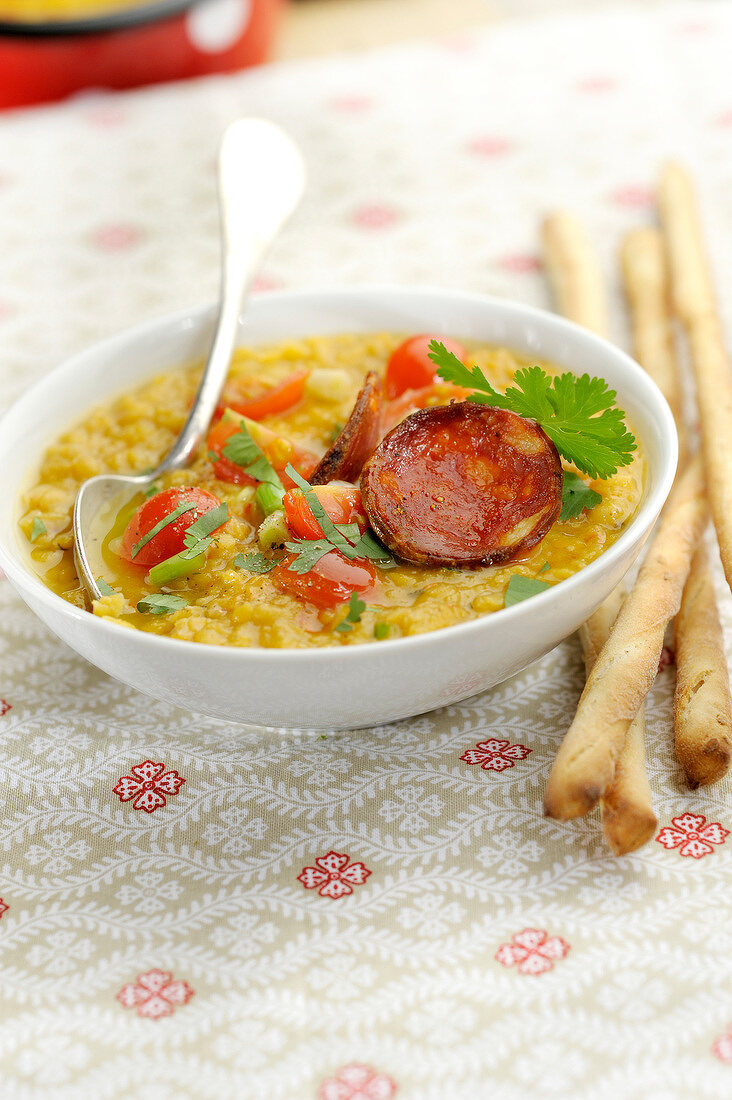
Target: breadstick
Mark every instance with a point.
(573, 272)
(626, 667)
(572, 267)
(702, 703)
(645, 277)
(628, 820)
(694, 299)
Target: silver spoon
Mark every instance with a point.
(261, 179)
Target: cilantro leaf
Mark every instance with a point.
(368, 546)
(578, 413)
(104, 588)
(241, 449)
(576, 496)
(38, 529)
(545, 567)
(161, 604)
(381, 631)
(255, 563)
(522, 588)
(308, 553)
(206, 524)
(356, 607)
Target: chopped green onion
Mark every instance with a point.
(273, 531)
(269, 497)
(180, 565)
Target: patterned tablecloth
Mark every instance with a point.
(191, 909)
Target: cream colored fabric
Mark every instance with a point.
(477, 950)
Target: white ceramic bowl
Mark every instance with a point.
(350, 686)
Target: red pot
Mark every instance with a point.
(146, 44)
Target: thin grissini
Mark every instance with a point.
(626, 811)
(573, 272)
(646, 284)
(702, 702)
(579, 290)
(626, 667)
(694, 299)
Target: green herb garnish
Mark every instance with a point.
(161, 603)
(151, 492)
(241, 449)
(356, 608)
(578, 413)
(38, 529)
(345, 537)
(576, 496)
(269, 497)
(104, 588)
(170, 518)
(545, 567)
(522, 588)
(255, 563)
(381, 631)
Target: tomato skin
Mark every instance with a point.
(278, 400)
(170, 540)
(340, 502)
(279, 451)
(330, 582)
(437, 393)
(410, 367)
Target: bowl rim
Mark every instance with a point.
(644, 518)
(118, 19)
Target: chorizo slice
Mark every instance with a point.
(357, 439)
(461, 485)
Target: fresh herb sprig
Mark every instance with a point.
(198, 536)
(241, 449)
(164, 522)
(160, 603)
(578, 413)
(346, 537)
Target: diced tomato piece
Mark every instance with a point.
(278, 400)
(330, 582)
(340, 502)
(169, 540)
(438, 393)
(278, 450)
(410, 367)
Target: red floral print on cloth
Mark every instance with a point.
(357, 1082)
(4, 707)
(155, 994)
(115, 238)
(487, 145)
(148, 785)
(634, 196)
(333, 875)
(722, 1045)
(375, 216)
(495, 755)
(692, 835)
(519, 263)
(533, 951)
(3, 907)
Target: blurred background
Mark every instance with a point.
(50, 49)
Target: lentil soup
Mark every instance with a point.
(223, 602)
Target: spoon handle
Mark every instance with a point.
(261, 179)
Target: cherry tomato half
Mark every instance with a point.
(438, 393)
(340, 502)
(330, 582)
(279, 451)
(410, 367)
(278, 400)
(170, 540)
